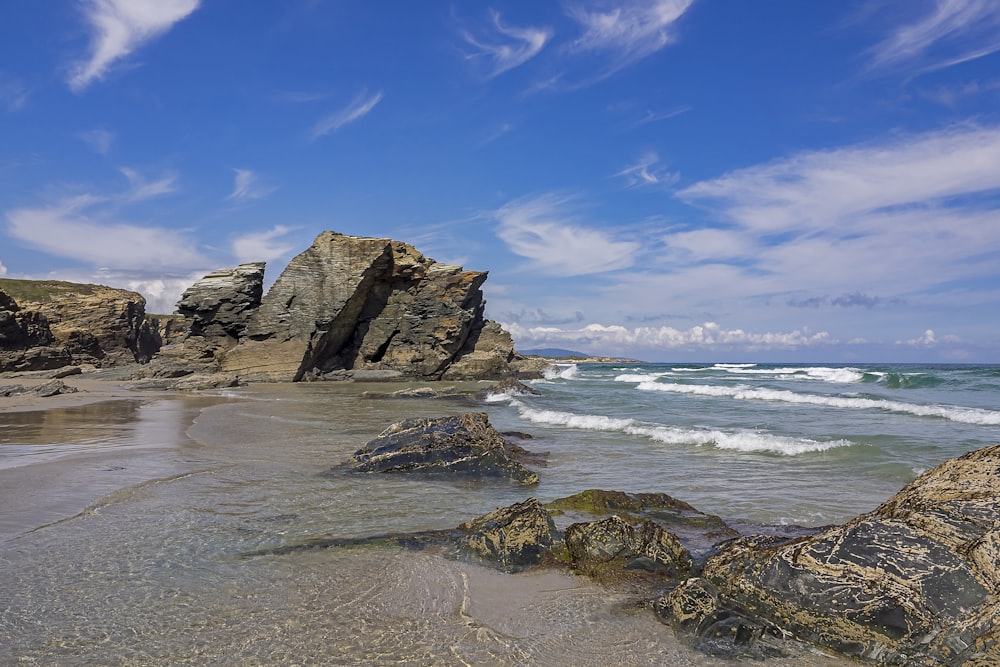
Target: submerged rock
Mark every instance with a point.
(512, 538)
(917, 581)
(466, 444)
(612, 549)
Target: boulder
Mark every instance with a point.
(914, 582)
(612, 549)
(465, 444)
(512, 538)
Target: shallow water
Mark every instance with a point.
(126, 526)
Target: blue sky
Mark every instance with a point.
(668, 179)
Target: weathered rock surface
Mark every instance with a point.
(349, 305)
(49, 324)
(52, 388)
(512, 538)
(220, 304)
(610, 548)
(466, 444)
(915, 582)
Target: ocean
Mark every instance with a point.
(127, 527)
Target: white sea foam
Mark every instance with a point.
(738, 440)
(638, 377)
(949, 412)
(561, 371)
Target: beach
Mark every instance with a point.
(128, 521)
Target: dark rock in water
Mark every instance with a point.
(51, 388)
(513, 538)
(917, 581)
(699, 532)
(466, 444)
(425, 393)
(609, 549)
(507, 387)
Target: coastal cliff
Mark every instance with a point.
(49, 324)
(345, 308)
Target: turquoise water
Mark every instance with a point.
(806, 444)
(124, 524)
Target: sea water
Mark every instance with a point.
(127, 528)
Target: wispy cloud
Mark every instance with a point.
(544, 230)
(13, 93)
(120, 27)
(141, 189)
(78, 228)
(247, 186)
(646, 172)
(100, 140)
(952, 32)
(3, 270)
(510, 46)
(626, 32)
(929, 339)
(263, 246)
(359, 107)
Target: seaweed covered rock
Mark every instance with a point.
(914, 582)
(609, 549)
(465, 444)
(513, 538)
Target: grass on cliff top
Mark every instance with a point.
(43, 290)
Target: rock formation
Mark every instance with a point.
(512, 538)
(465, 444)
(917, 581)
(347, 307)
(49, 324)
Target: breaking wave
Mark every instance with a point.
(949, 412)
(737, 440)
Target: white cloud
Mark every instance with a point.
(3, 270)
(542, 230)
(513, 46)
(100, 140)
(952, 32)
(262, 246)
(645, 173)
(246, 186)
(628, 31)
(929, 339)
(75, 228)
(708, 336)
(359, 107)
(142, 189)
(120, 27)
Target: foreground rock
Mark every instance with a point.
(46, 324)
(915, 582)
(511, 538)
(465, 444)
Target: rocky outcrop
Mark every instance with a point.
(917, 581)
(352, 303)
(49, 324)
(466, 444)
(614, 548)
(220, 304)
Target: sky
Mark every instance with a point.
(670, 180)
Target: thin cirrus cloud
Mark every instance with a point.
(359, 107)
(263, 246)
(119, 27)
(952, 32)
(247, 186)
(627, 31)
(543, 230)
(100, 140)
(510, 46)
(647, 172)
(140, 189)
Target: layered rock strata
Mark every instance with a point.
(917, 581)
(50, 324)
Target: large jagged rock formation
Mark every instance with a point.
(917, 581)
(350, 305)
(49, 324)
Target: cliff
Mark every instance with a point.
(346, 307)
(46, 324)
